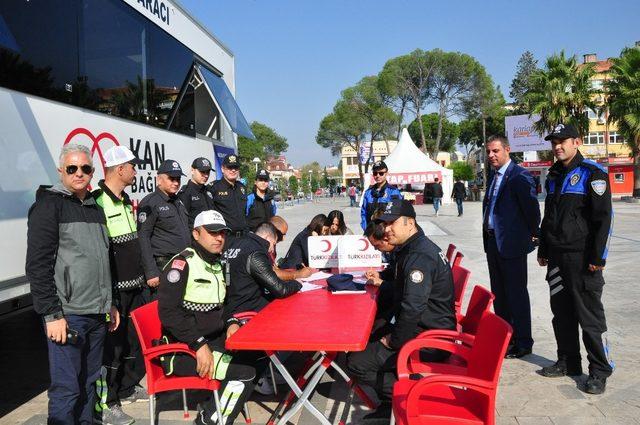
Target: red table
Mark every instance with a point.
(315, 321)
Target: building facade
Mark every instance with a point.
(349, 158)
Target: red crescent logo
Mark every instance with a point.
(328, 245)
(95, 141)
(366, 244)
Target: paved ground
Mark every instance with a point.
(524, 397)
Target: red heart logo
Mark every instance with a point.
(95, 145)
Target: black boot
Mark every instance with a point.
(561, 368)
(595, 385)
(383, 412)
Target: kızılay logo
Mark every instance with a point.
(75, 136)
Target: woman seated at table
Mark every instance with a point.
(298, 254)
(338, 226)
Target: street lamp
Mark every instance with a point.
(310, 189)
(256, 161)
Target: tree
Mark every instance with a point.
(456, 78)
(293, 185)
(561, 93)
(623, 101)
(267, 143)
(471, 134)
(520, 84)
(395, 92)
(461, 170)
(430, 123)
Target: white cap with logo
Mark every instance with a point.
(211, 220)
(117, 155)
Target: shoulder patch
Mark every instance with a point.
(599, 187)
(173, 276)
(178, 264)
(416, 276)
(142, 217)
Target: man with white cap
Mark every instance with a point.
(123, 367)
(190, 302)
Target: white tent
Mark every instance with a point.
(408, 165)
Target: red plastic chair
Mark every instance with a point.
(450, 394)
(450, 251)
(460, 280)
(458, 259)
(148, 327)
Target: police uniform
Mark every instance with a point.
(163, 227)
(196, 197)
(231, 200)
(191, 300)
(376, 198)
(260, 209)
(575, 233)
(423, 300)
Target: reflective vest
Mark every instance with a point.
(205, 289)
(121, 225)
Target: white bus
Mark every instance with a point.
(140, 73)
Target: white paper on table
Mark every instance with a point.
(348, 292)
(306, 286)
(316, 276)
(360, 279)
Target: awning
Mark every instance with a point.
(7, 39)
(227, 103)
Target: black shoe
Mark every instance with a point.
(595, 385)
(203, 417)
(383, 412)
(517, 352)
(559, 369)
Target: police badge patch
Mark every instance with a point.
(575, 179)
(173, 276)
(142, 217)
(599, 186)
(416, 276)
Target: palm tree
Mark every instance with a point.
(623, 101)
(561, 92)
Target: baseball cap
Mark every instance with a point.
(262, 175)
(171, 168)
(343, 282)
(201, 164)
(563, 131)
(210, 220)
(396, 209)
(117, 155)
(379, 165)
(231, 161)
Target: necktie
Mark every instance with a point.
(492, 191)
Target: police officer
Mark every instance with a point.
(190, 302)
(195, 195)
(260, 204)
(230, 197)
(163, 226)
(123, 363)
(573, 245)
(423, 300)
(377, 195)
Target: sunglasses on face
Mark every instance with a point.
(72, 169)
(280, 235)
(233, 168)
(379, 173)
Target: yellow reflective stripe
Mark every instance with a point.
(221, 363)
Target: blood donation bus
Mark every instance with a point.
(139, 73)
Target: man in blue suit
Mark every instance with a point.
(511, 220)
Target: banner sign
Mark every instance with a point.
(220, 153)
(364, 152)
(522, 137)
(342, 251)
(414, 178)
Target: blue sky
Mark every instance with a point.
(294, 57)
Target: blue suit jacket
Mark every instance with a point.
(516, 212)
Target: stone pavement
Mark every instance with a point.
(523, 397)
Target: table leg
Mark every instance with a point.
(354, 386)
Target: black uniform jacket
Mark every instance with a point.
(298, 251)
(253, 283)
(577, 211)
(163, 229)
(196, 198)
(424, 295)
(231, 201)
(194, 328)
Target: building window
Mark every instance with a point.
(594, 138)
(618, 177)
(615, 138)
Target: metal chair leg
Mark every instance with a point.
(247, 415)
(152, 409)
(185, 408)
(273, 379)
(393, 419)
(216, 398)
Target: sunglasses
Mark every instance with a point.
(233, 168)
(379, 173)
(280, 235)
(72, 169)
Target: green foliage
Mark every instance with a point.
(293, 185)
(461, 170)
(314, 184)
(268, 143)
(520, 84)
(561, 92)
(449, 135)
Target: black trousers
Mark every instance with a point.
(123, 359)
(508, 278)
(576, 300)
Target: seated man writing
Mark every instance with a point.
(423, 300)
(190, 300)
